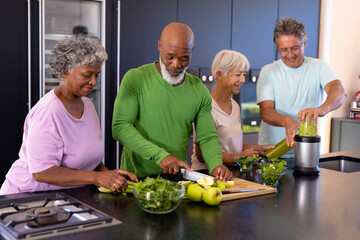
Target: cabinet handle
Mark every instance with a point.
(29, 53)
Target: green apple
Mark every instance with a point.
(206, 181)
(220, 185)
(212, 196)
(195, 192)
(229, 183)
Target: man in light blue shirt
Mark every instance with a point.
(292, 87)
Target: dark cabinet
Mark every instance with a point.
(307, 12)
(254, 21)
(244, 26)
(140, 29)
(211, 23)
(13, 93)
(252, 30)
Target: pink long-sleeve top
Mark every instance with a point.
(53, 137)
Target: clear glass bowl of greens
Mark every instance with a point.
(271, 171)
(270, 179)
(157, 195)
(246, 163)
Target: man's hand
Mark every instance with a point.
(311, 112)
(223, 173)
(291, 125)
(171, 165)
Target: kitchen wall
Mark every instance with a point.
(339, 46)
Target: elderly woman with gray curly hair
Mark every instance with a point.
(62, 145)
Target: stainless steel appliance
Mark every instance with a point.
(58, 19)
(45, 215)
(307, 152)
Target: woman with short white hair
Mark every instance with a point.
(229, 69)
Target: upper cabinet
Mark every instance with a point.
(252, 30)
(241, 25)
(210, 21)
(140, 29)
(307, 12)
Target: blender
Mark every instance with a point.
(307, 149)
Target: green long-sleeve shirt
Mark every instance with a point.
(152, 119)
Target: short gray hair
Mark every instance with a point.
(289, 26)
(77, 50)
(228, 60)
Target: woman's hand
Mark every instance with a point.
(114, 180)
(263, 148)
(249, 152)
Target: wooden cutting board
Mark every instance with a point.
(244, 184)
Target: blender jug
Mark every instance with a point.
(307, 149)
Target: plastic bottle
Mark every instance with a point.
(280, 149)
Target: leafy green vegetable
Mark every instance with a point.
(158, 194)
(272, 170)
(186, 185)
(246, 162)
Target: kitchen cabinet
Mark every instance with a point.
(252, 30)
(254, 21)
(307, 12)
(211, 23)
(140, 29)
(13, 91)
(345, 134)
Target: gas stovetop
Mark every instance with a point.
(49, 214)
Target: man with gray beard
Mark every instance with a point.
(155, 107)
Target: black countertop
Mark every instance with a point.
(305, 207)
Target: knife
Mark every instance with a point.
(193, 176)
(240, 191)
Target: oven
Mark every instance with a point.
(46, 215)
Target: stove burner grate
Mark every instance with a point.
(58, 213)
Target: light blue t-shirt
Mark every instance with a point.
(292, 90)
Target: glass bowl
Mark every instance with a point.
(160, 202)
(245, 163)
(271, 180)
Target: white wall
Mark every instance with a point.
(339, 45)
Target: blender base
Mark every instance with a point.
(306, 171)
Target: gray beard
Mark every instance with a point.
(167, 76)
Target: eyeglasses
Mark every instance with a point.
(293, 50)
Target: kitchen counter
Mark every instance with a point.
(305, 207)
